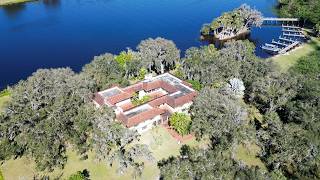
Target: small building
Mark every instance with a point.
(166, 94)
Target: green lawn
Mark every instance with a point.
(1, 177)
(248, 155)
(160, 142)
(287, 60)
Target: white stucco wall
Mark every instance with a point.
(148, 124)
(184, 108)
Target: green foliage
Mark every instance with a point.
(215, 163)
(105, 71)
(178, 72)
(158, 54)
(41, 117)
(142, 73)
(289, 148)
(233, 22)
(308, 10)
(212, 67)
(308, 66)
(80, 175)
(238, 50)
(272, 92)
(123, 58)
(205, 65)
(130, 62)
(136, 101)
(5, 92)
(290, 134)
(195, 84)
(222, 115)
(181, 122)
(113, 143)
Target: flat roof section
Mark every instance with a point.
(110, 92)
(137, 110)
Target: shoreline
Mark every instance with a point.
(242, 32)
(12, 2)
(213, 40)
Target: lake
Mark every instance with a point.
(60, 33)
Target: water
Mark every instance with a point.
(60, 33)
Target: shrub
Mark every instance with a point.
(180, 122)
(195, 84)
(80, 175)
(136, 101)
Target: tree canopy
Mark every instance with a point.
(232, 23)
(278, 112)
(215, 114)
(46, 112)
(307, 10)
(158, 54)
(105, 71)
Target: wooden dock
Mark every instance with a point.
(293, 35)
(291, 27)
(286, 49)
(286, 39)
(279, 43)
(290, 30)
(280, 19)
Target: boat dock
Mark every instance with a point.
(280, 21)
(294, 34)
(279, 43)
(291, 27)
(291, 30)
(286, 39)
(291, 37)
(286, 49)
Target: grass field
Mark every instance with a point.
(160, 142)
(248, 155)
(287, 60)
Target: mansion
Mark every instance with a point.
(148, 103)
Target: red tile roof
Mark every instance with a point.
(133, 88)
(127, 106)
(184, 99)
(137, 119)
(158, 101)
(157, 98)
(98, 99)
(119, 97)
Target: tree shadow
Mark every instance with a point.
(12, 10)
(52, 3)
